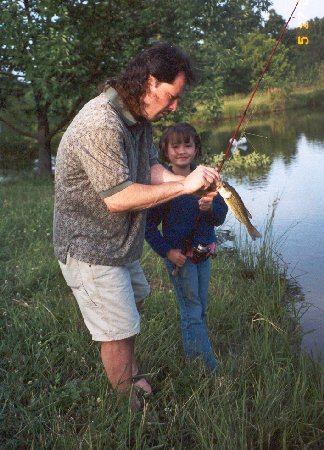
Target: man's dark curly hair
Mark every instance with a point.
(178, 134)
(164, 61)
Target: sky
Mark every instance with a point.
(306, 10)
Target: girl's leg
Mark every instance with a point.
(203, 283)
(203, 270)
(195, 338)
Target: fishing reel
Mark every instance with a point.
(200, 253)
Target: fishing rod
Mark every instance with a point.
(255, 89)
(190, 239)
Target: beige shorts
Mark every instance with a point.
(107, 297)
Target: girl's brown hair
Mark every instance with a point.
(176, 134)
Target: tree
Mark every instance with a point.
(256, 49)
(54, 53)
(308, 58)
(219, 26)
(239, 20)
(274, 24)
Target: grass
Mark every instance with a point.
(273, 100)
(54, 394)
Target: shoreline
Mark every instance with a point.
(273, 101)
(265, 103)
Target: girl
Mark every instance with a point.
(187, 240)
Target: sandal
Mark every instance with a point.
(136, 380)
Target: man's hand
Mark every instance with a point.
(176, 257)
(201, 178)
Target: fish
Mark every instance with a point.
(236, 205)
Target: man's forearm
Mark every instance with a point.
(160, 174)
(142, 196)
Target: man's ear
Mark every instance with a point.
(152, 82)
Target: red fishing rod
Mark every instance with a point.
(189, 240)
(255, 89)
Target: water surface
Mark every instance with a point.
(295, 179)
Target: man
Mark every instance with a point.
(107, 174)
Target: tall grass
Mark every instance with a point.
(54, 394)
(273, 100)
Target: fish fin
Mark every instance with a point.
(253, 232)
(248, 213)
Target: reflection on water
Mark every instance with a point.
(295, 144)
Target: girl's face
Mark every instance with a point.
(181, 154)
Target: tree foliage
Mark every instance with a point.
(55, 53)
(308, 59)
(274, 24)
(255, 53)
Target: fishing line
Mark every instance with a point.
(176, 269)
(248, 119)
(255, 89)
(258, 135)
(254, 148)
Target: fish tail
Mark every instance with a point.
(253, 232)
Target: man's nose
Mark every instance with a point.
(174, 105)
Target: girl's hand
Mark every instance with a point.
(176, 257)
(206, 201)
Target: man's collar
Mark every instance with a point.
(116, 101)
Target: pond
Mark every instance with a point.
(295, 183)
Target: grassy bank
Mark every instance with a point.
(54, 394)
(266, 102)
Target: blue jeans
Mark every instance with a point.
(191, 287)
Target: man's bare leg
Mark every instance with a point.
(120, 365)
(141, 383)
(117, 358)
(119, 361)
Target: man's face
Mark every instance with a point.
(162, 98)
